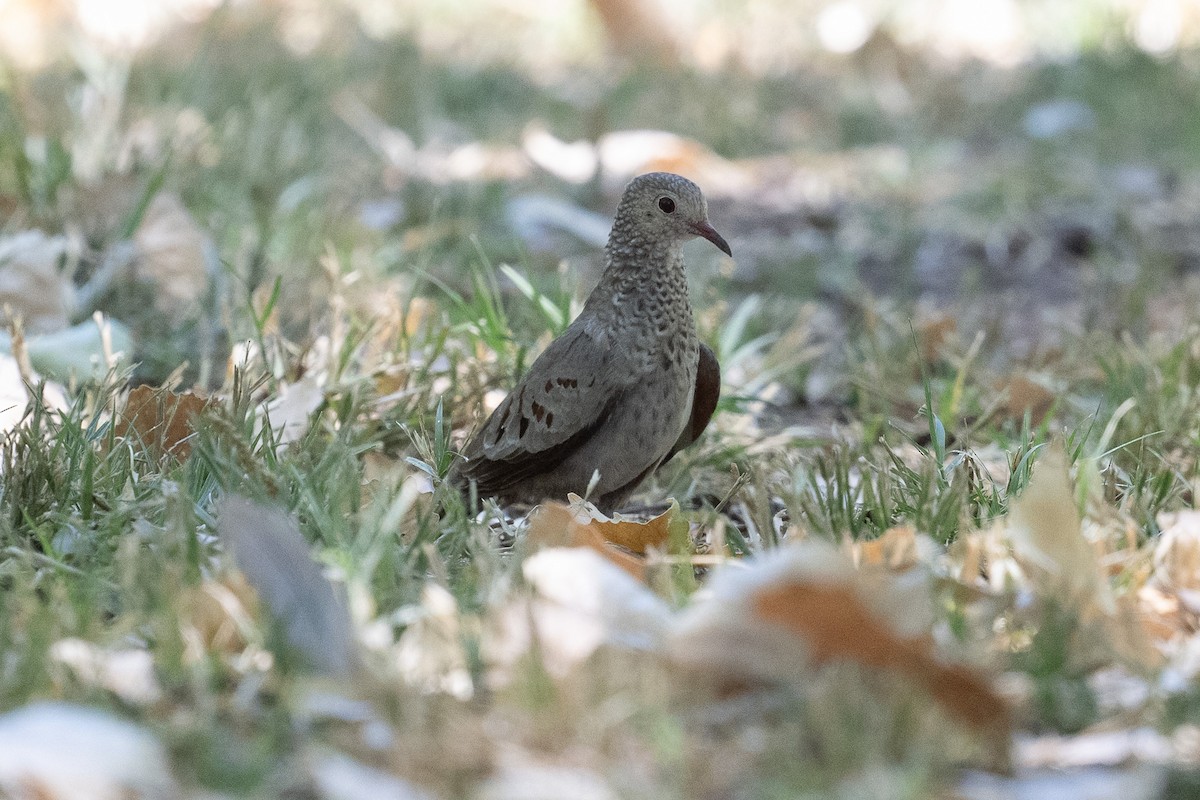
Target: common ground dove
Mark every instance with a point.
(627, 385)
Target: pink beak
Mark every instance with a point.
(708, 232)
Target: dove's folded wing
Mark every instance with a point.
(704, 400)
(562, 402)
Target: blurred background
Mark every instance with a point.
(1024, 170)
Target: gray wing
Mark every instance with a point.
(560, 404)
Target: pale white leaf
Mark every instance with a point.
(340, 777)
(58, 751)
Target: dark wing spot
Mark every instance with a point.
(524, 427)
(567, 383)
(549, 419)
(495, 477)
(550, 384)
(503, 422)
(539, 411)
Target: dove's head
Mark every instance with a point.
(662, 207)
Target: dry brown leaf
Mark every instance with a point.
(161, 420)
(637, 29)
(766, 619)
(636, 535)
(1021, 395)
(556, 525)
(32, 282)
(934, 331)
(1063, 564)
(1161, 617)
(389, 303)
(391, 382)
(835, 624)
(895, 549)
(1047, 533)
(171, 256)
(581, 525)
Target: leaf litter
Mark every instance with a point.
(592, 607)
(572, 666)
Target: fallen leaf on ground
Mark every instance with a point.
(395, 316)
(218, 616)
(431, 653)
(1177, 551)
(1021, 395)
(556, 525)
(578, 602)
(544, 782)
(581, 525)
(290, 411)
(639, 536)
(128, 673)
(1138, 782)
(33, 283)
(1058, 554)
(934, 332)
(771, 618)
(81, 351)
(1095, 749)
(161, 420)
(1046, 530)
(836, 625)
(1161, 614)
(339, 777)
(57, 751)
(267, 546)
(896, 549)
(574, 162)
(639, 29)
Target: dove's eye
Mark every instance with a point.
(667, 205)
